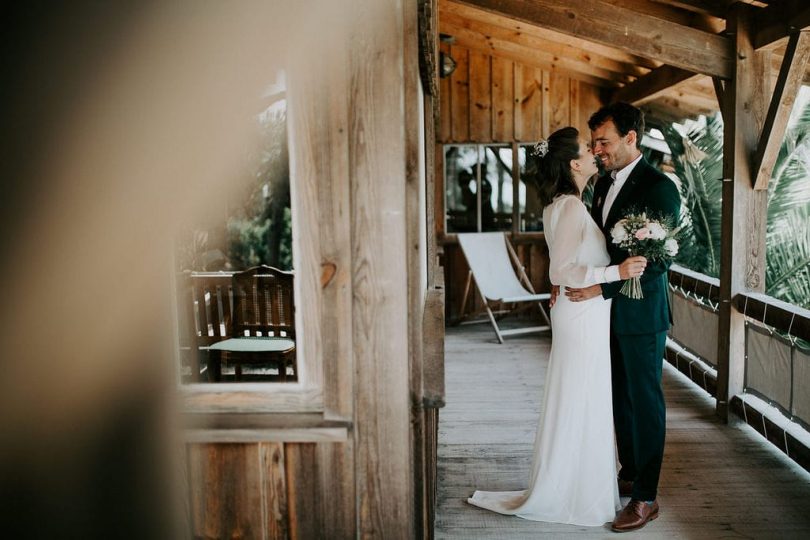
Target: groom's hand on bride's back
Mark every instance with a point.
(586, 293)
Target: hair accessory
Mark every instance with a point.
(541, 148)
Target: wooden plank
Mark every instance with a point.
(303, 476)
(480, 97)
(788, 84)
(534, 54)
(643, 35)
(651, 85)
(715, 8)
(744, 212)
(503, 104)
(531, 61)
(573, 103)
(589, 102)
(274, 490)
(528, 102)
(460, 96)
(250, 397)
(559, 99)
(445, 104)
(380, 339)
(337, 495)
(550, 50)
(472, 13)
(226, 491)
(545, 107)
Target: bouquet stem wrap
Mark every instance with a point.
(632, 288)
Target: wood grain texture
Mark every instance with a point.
(460, 96)
(384, 485)
(227, 491)
(480, 97)
(788, 84)
(742, 246)
(559, 102)
(303, 475)
(503, 91)
(633, 32)
(717, 481)
(528, 102)
(445, 102)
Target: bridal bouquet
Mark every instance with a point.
(650, 238)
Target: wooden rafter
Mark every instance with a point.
(715, 8)
(539, 44)
(492, 44)
(784, 95)
(651, 85)
(639, 34)
(475, 14)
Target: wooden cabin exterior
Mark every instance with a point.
(350, 449)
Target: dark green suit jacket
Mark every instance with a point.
(646, 190)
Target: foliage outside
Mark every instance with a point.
(697, 150)
(258, 229)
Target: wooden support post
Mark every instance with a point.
(787, 87)
(742, 246)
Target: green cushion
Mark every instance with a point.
(254, 344)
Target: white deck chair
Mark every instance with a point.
(488, 256)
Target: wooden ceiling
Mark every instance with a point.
(660, 54)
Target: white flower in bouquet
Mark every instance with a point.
(671, 247)
(657, 231)
(619, 232)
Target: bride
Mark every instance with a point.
(573, 474)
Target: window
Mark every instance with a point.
(481, 193)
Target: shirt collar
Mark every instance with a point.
(620, 176)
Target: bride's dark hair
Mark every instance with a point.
(553, 173)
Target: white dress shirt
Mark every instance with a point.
(611, 273)
(619, 178)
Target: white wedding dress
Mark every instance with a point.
(573, 475)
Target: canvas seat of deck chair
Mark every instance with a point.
(489, 256)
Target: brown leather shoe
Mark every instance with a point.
(635, 515)
(625, 487)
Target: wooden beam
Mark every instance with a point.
(520, 56)
(636, 33)
(774, 26)
(719, 91)
(475, 14)
(744, 211)
(549, 47)
(704, 7)
(784, 96)
(495, 44)
(651, 85)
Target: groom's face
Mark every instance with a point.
(614, 151)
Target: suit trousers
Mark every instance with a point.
(639, 413)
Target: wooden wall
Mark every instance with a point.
(488, 99)
(338, 455)
(492, 99)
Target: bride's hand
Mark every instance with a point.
(632, 267)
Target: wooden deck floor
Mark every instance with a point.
(718, 481)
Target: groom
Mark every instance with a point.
(638, 327)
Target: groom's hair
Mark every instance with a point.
(625, 117)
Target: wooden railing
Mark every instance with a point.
(777, 364)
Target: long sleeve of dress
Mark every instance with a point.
(567, 231)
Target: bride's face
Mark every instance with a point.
(586, 163)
